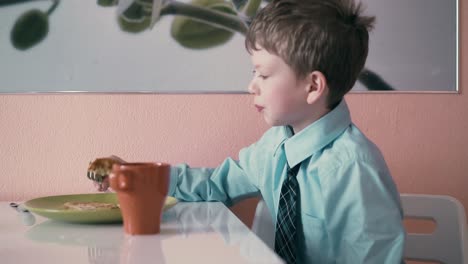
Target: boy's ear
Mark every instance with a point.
(317, 87)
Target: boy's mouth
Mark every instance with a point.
(259, 108)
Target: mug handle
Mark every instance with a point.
(120, 181)
(123, 182)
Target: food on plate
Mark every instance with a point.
(99, 170)
(86, 206)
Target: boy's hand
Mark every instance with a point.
(99, 171)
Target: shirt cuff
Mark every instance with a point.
(173, 181)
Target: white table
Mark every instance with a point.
(190, 233)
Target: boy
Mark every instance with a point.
(344, 206)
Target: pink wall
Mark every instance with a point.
(46, 141)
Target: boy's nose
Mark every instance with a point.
(253, 88)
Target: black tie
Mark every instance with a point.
(288, 217)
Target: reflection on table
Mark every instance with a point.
(190, 232)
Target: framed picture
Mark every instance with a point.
(197, 46)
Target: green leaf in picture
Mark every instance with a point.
(30, 29)
(133, 27)
(134, 13)
(195, 34)
(106, 3)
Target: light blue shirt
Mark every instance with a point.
(350, 206)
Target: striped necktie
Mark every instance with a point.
(288, 217)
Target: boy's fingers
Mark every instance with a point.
(103, 186)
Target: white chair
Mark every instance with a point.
(448, 242)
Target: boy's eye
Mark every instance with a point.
(261, 76)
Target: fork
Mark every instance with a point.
(27, 217)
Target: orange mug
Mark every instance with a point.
(141, 190)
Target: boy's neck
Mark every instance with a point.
(317, 114)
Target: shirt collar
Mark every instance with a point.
(316, 136)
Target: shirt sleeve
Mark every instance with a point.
(227, 183)
(363, 215)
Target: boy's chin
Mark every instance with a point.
(274, 123)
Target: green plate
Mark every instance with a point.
(52, 207)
